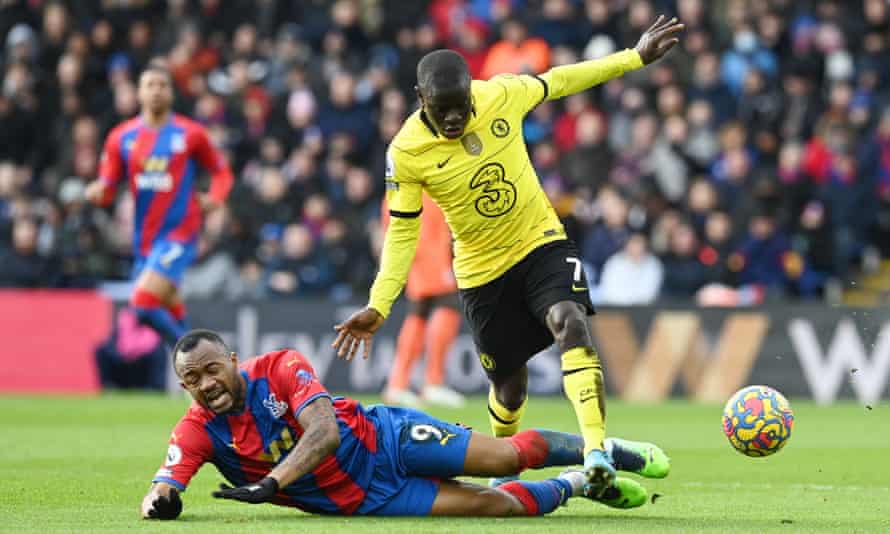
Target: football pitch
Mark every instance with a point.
(72, 464)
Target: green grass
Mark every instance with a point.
(83, 464)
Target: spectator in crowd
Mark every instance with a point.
(707, 86)
(813, 241)
(579, 166)
(717, 246)
(214, 274)
(609, 235)
(764, 256)
(632, 276)
(20, 264)
(684, 272)
(516, 52)
(300, 268)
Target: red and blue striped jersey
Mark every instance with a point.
(160, 165)
(246, 446)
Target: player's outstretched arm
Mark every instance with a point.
(161, 502)
(399, 247)
(576, 77)
(320, 439)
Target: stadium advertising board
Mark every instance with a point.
(49, 338)
(649, 353)
(807, 351)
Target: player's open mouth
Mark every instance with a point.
(216, 398)
(452, 131)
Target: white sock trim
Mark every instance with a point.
(577, 480)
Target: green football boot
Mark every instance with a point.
(644, 459)
(622, 493)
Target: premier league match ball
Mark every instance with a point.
(757, 421)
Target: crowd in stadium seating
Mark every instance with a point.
(752, 162)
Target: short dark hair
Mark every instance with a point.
(441, 68)
(158, 65)
(190, 340)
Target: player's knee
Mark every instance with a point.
(559, 315)
(568, 323)
(511, 396)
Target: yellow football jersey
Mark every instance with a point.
(484, 182)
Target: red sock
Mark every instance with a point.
(151, 311)
(177, 311)
(444, 327)
(143, 299)
(539, 448)
(539, 498)
(531, 447)
(408, 348)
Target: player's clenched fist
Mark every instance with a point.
(359, 328)
(162, 506)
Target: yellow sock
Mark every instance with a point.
(504, 422)
(582, 379)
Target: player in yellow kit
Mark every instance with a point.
(520, 279)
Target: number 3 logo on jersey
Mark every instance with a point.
(497, 195)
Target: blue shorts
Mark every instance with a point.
(414, 452)
(168, 258)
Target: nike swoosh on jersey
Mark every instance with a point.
(443, 163)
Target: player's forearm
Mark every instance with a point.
(220, 185)
(320, 439)
(570, 79)
(399, 247)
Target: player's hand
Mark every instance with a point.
(658, 39)
(358, 329)
(164, 507)
(207, 202)
(94, 192)
(255, 493)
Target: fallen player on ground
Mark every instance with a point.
(276, 435)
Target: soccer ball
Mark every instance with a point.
(757, 420)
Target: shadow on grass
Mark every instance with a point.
(560, 520)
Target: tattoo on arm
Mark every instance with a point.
(320, 438)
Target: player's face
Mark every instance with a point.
(210, 375)
(449, 110)
(155, 92)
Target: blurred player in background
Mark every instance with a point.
(276, 434)
(520, 278)
(433, 319)
(158, 153)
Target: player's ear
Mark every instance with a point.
(234, 357)
(419, 94)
